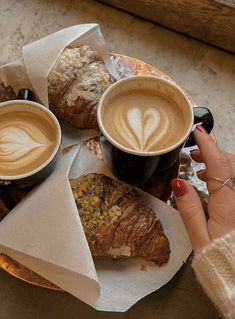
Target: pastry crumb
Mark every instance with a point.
(143, 267)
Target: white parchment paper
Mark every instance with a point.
(44, 233)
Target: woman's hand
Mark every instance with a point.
(221, 204)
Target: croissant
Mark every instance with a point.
(76, 84)
(116, 222)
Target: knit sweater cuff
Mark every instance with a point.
(214, 266)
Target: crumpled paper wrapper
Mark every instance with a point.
(39, 57)
(44, 233)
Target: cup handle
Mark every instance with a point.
(25, 94)
(203, 116)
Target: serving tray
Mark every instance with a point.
(126, 66)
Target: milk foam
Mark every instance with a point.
(143, 121)
(16, 142)
(26, 142)
(138, 128)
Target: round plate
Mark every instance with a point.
(126, 66)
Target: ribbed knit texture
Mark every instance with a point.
(214, 266)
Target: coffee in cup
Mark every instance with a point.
(29, 139)
(143, 120)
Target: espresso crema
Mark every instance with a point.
(27, 140)
(143, 121)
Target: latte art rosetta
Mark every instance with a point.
(27, 140)
(17, 142)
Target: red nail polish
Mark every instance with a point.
(200, 128)
(179, 187)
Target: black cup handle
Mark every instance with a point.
(201, 115)
(25, 94)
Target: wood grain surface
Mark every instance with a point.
(212, 21)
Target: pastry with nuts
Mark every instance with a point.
(116, 222)
(76, 84)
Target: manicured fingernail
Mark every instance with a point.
(179, 187)
(193, 151)
(200, 128)
(200, 170)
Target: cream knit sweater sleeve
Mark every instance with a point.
(214, 266)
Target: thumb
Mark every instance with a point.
(192, 214)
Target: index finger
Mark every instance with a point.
(216, 162)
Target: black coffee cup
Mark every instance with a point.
(145, 169)
(32, 177)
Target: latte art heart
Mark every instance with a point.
(142, 125)
(143, 121)
(140, 128)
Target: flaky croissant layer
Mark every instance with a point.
(117, 223)
(75, 85)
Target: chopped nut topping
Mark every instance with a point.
(116, 221)
(98, 205)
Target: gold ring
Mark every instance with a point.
(224, 183)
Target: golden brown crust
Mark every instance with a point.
(116, 222)
(76, 84)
